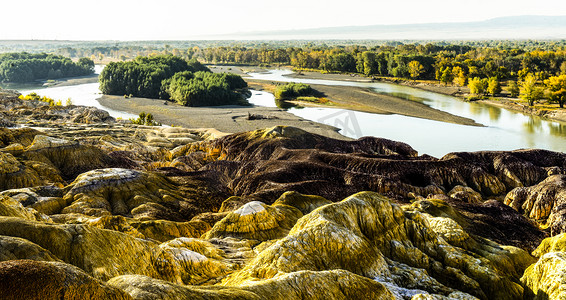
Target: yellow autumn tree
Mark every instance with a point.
(415, 69)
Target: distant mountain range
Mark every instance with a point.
(518, 27)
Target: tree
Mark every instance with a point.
(493, 86)
(477, 86)
(415, 69)
(369, 65)
(86, 63)
(459, 76)
(529, 89)
(513, 89)
(446, 76)
(557, 88)
(25, 67)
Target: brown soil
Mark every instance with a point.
(230, 119)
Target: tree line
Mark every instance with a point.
(26, 67)
(172, 78)
(532, 75)
(434, 60)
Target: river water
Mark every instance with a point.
(505, 130)
(81, 94)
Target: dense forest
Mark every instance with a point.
(170, 77)
(26, 67)
(396, 61)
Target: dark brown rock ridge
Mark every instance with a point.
(268, 162)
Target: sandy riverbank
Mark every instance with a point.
(362, 99)
(74, 81)
(549, 111)
(224, 118)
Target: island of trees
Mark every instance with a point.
(170, 77)
(26, 67)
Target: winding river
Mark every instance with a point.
(505, 130)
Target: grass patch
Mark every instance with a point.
(312, 99)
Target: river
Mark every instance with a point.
(80, 94)
(504, 129)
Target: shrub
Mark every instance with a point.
(293, 90)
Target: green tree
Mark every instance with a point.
(513, 89)
(446, 76)
(415, 69)
(25, 67)
(529, 90)
(369, 63)
(557, 88)
(86, 63)
(493, 86)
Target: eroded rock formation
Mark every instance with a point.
(265, 163)
(123, 211)
(368, 235)
(547, 278)
(544, 202)
(29, 279)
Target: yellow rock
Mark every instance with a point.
(451, 296)
(116, 223)
(122, 192)
(13, 248)
(16, 149)
(107, 253)
(335, 284)
(101, 253)
(305, 203)
(14, 174)
(69, 157)
(147, 288)
(157, 230)
(199, 261)
(45, 199)
(556, 243)
(9, 207)
(547, 278)
(22, 136)
(543, 202)
(445, 221)
(29, 279)
(163, 230)
(367, 234)
(257, 221)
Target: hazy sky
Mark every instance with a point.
(185, 19)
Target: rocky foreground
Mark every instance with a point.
(95, 209)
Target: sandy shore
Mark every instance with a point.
(548, 112)
(224, 118)
(75, 81)
(362, 99)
